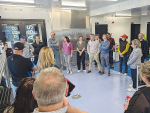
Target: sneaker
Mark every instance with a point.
(125, 74)
(112, 66)
(95, 65)
(101, 73)
(84, 70)
(71, 72)
(68, 72)
(131, 89)
(119, 73)
(89, 71)
(131, 85)
(109, 74)
(79, 70)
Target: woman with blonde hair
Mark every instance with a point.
(134, 61)
(140, 102)
(46, 58)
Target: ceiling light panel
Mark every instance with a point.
(77, 3)
(18, 1)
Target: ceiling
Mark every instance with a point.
(135, 12)
(91, 4)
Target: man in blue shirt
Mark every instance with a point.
(54, 44)
(104, 47)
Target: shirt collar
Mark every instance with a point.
(93, 40)
(38, 43)
(62, 110)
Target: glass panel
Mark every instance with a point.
(11, 32)
(31, 31)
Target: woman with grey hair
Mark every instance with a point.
(104, 47)
(134, 61)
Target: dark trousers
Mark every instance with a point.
(123, 59)
(79, 58)
(134, 76)
(36, 59)
(99, 59)
(111, 57)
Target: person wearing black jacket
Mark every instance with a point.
(143, 47)
(140, 102)
(37, 47)
(9, 51)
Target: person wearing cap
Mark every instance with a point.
(28, 48)
(143, 47)
(54, 44)
(93, 51)
(19, 66)
(111, 48)
(97, 38)
(123, 56)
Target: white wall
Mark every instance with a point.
(27, 13)
(144, 20)
(121, 25)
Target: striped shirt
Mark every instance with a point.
(93, 47)
(62, 110)
(27, 50)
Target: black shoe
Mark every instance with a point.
(109, 74)
(101, 73)
(89, 71)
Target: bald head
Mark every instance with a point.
(140, 37)
(50, 86)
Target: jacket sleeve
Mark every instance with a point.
(105, 48)
(31, 47)
(132, 102)
(134, 58)
(144, 49)
(127, 48)
(88, 48)
(98, 48)
(119, 48)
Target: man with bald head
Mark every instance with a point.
(50, 89)
(143, 47)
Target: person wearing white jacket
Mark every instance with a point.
(134, 61)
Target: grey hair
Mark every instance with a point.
(50, 86)
(105, 35)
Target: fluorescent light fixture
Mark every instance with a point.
(123, 17)
(123, 14)
(77, 3)
(20, 1)
(13, 5)
(73, 8)
(144, 13)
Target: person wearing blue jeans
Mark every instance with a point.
(104, 47)
(123, 56)
(54, 44)
(134, 61)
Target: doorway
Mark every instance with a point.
(135, 30)
(148, 33)
(101, 29)
(13, 29)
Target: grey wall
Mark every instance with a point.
(67, 19)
